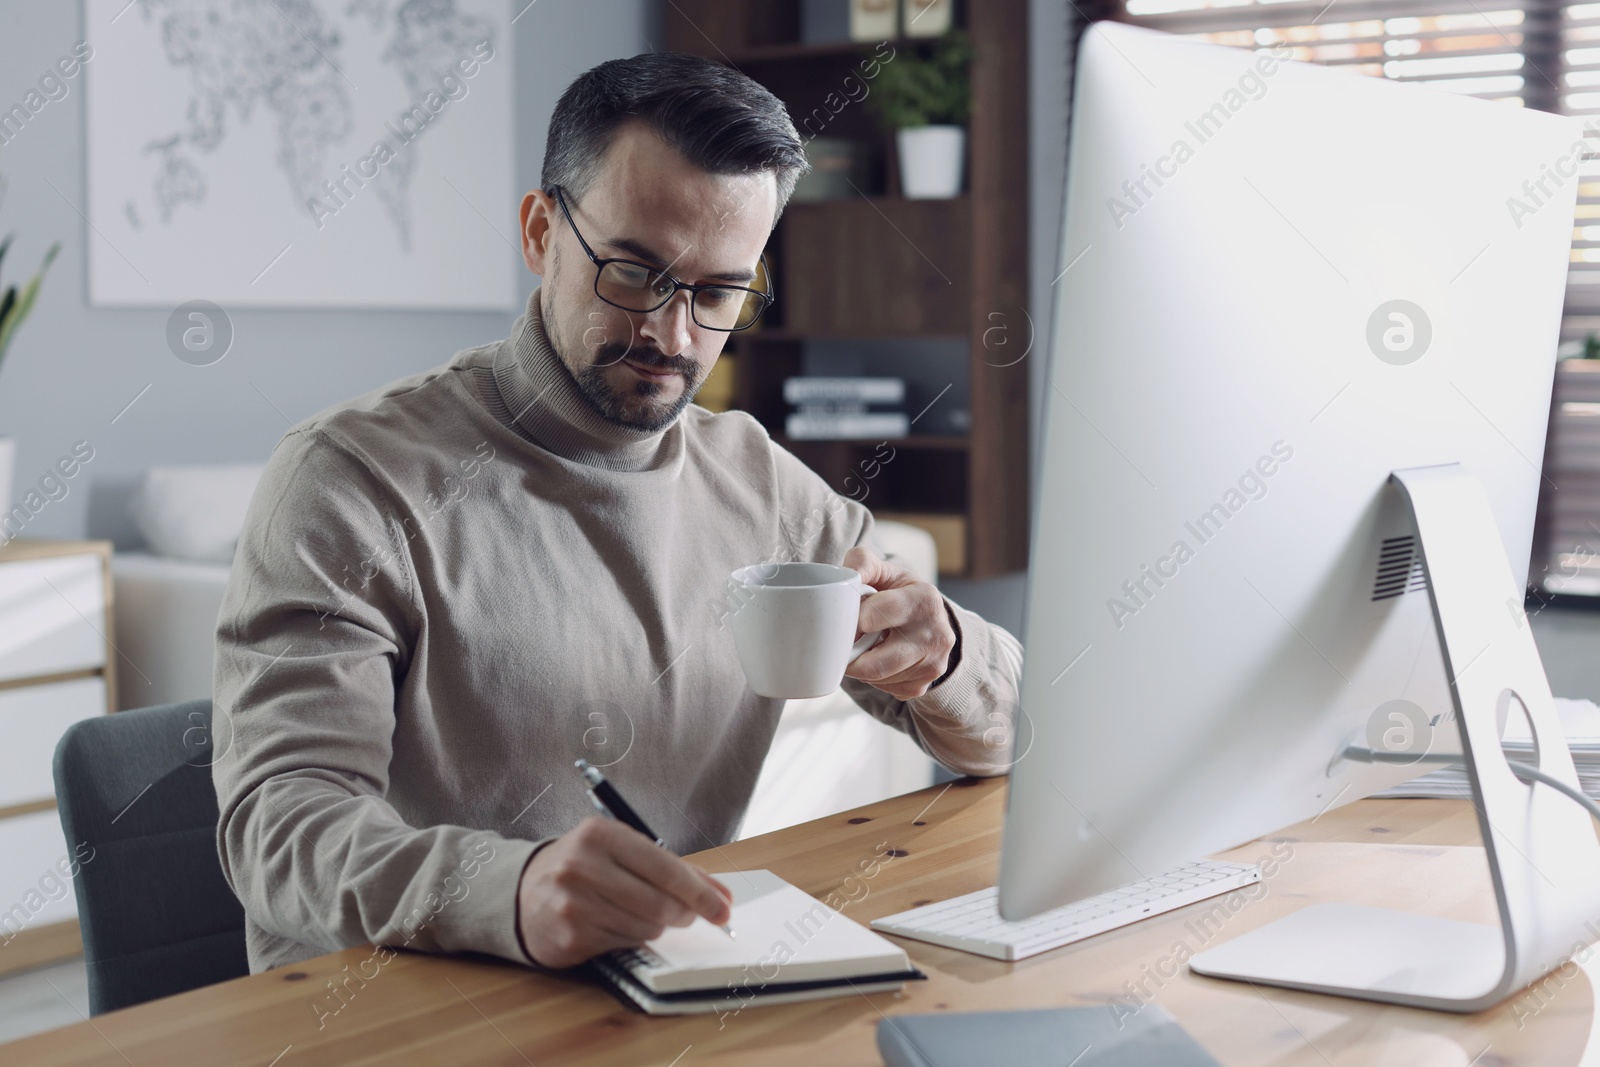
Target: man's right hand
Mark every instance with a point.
(602, 886)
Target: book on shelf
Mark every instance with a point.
(844, 408)
(846, 425)
(788, 946)
(817, 389)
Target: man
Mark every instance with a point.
(451, 588)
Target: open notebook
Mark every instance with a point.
(789, 946)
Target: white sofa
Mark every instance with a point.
(166, 621)
(827, 756)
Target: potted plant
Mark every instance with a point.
(14, 307)
(924, 99)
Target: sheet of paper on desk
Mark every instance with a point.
(1580, 722)
(784, 934)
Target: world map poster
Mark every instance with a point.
(301, 153)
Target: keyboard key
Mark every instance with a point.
(972, 923)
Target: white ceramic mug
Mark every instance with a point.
(793, 626)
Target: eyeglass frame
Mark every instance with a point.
(767, 298)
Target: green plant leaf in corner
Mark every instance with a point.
(914, 89)
(24, 302)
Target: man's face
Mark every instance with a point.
(650, 205)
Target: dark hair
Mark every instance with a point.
(720, 120)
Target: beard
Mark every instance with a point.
(613, 404)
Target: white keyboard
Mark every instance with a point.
(972, 923)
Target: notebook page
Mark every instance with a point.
(783, 934)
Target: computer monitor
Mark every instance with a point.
(1279, 285)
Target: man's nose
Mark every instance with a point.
(668, 325)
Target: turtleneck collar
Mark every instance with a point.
(545, 402)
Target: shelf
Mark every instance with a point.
(924, 474)
(885, 202)
(936, 442)
(814, 50)
(889, 204)
(784, 335)
(875, 266)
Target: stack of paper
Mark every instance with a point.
(788, 946)
(1580, 721)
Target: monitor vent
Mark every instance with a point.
(1399, 569)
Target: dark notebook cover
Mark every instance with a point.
(1042, 1037)
(634, 994)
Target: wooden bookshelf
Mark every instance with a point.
(879, 266)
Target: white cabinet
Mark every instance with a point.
(32, 720)
(56, 668)
(36, 878)
(52, 616)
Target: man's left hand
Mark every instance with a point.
(916, 649)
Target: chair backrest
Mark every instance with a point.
(157, 916)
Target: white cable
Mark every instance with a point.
(1526, 772)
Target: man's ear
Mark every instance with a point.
(537, 216)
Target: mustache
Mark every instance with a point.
(616, 353)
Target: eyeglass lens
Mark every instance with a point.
(638, 288)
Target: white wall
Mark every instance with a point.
(72, 368)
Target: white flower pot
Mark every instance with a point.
(8, 463)
(931, 159)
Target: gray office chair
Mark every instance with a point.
(156, 914)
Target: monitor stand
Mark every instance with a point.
(1544, 860)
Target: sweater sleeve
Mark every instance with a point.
(316, 630)
(966, 720)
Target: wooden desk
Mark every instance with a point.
(1413, 854)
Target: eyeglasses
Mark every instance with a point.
(633, 286)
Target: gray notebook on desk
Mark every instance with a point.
(1042, 1037)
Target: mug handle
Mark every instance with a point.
(868, 640)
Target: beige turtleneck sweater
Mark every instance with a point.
(449, 589)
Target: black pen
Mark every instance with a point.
(610, 802)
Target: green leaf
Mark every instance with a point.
(24, 303)
(915, 90)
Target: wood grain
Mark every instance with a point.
(878, 267)
(1002, 328)
(1415, 855)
